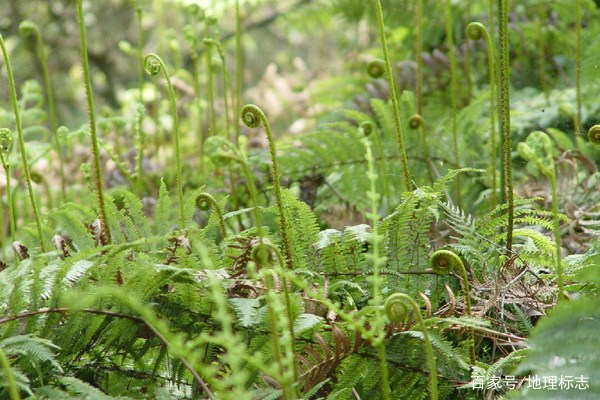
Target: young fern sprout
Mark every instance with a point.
(28, 29)
(264, 252)
(376, 68)
(538, 149)
(594, 134)
(504, 113)
(208, 22)
(397, 308)
(453, 96)
(222, 152)
(224, 77)
(368, 129)
(475, 31)
(6, 138)
(416, 121)
(92, 122)
(154, 65)
(17, 115)
(204, 202)
(392, 93)
(252, 117)
(444, 262)
(375, 280)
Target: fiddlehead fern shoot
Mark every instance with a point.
(24, 160)
(204, 202)
(397, 307)
(594, 134)
(154, 65)
(504, 112)
(252, 117)
(97, 173)
(392, 94)
(475, 31)
(444, 262)
(376, 68)
(453, 95)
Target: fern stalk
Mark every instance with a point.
(453, 96)
(376, 281)
(252, 116)
(154, 64)
(28, 28)
(92, 122)
(238, 66)
(140, 110)
(578, 64)
(393, 97)
(504, 112)
(13, 391)
(17, 114)
(476, 30)
(398, 307)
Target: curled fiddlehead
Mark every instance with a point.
(204, 202)
(263, 253)
(376, 68)
(397, 307)
(17, 114)
(416, 121)
(444, 262)
(475, 31)
(252, 116)
(153, 65)
(594, 134)
(368, 128)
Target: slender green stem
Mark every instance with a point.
(556, 229)
(154, 65)
(475, 31)
(6, 166)
(398, 306)
(376, 281)
(238, 66)
(419, 57)
(369, 129)
(17, 114)
(578, 65)
(209, 81)
(505, 119)
(252, 116)
(13, 390)
(141, 140)
(540, 23)
(444, 262)
(92, 121)
(392, 94)
(28, 28)
(453, 96)
(417, 122)
(224, 79)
